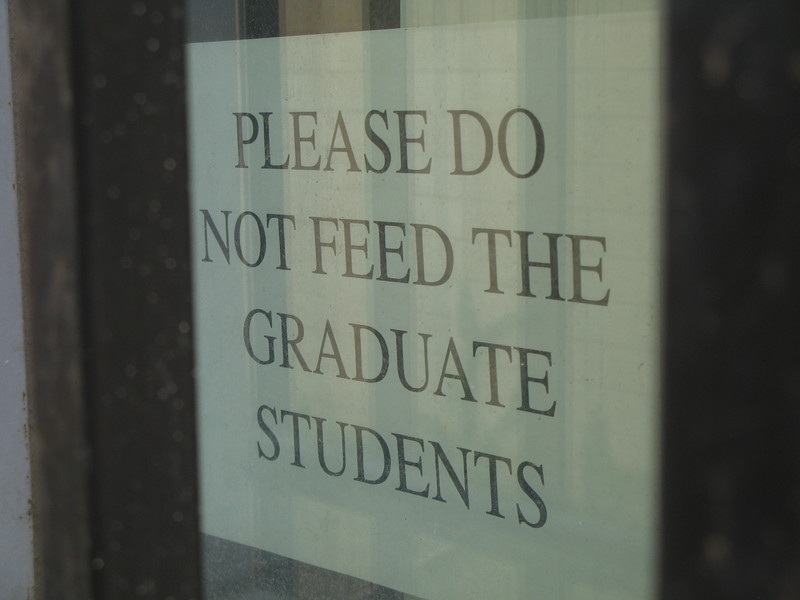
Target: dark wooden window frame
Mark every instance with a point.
(101, 137)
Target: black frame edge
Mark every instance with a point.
(134, 234)
(731, 449)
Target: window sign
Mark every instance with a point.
(426, 302)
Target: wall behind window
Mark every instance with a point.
(16, 536)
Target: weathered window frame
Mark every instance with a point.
(101, 145)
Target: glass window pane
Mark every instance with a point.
(426, 257)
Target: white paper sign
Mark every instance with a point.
(426, 273)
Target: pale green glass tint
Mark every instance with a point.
(428, 346)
